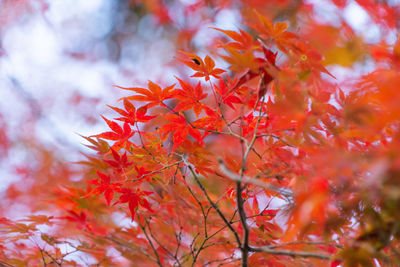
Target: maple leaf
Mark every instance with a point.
(141, 171)
(134, 199)
(250, 122)
(39, 219)
(212, 121)
(240, 62)
(98, 145)
(105, 186)
(75, 217)
(154, 94)
(131, 115)
(81, 219)
(227, 96)
(244, 41)
(203, 68)
(14, 227)
(311, 60)
(275, 32)
(266, 70)
(119, 162)
(180, 128)
(119, 134)
(190, 97)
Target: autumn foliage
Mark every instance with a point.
(270, 161)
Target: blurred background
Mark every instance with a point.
(59, 60)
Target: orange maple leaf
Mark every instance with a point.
(154, 94)
(203, 68)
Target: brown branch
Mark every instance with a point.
(222, 261)
(291, 253)
(5, 264)
(143, 145)
(276, 137)
(309, 243)
(150, 242)
(229, 174)
(239, 188)
(201, 207)
(41, 253)
(154, 172)
(118, 242)
(161, 245)
(178, 238)
(52, 258)
(215, 207)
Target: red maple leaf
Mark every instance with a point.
(132, 115)
(227, 96)
(105, 186)
(190, 97)
(82, 221)
(180, 128)
(119, 134)
(212, 121)
(119, 162)
(141, 171)
(134, 199)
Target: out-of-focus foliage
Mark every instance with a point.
(267, 136)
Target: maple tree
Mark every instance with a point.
(269, 161)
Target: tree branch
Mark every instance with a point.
(161, 245)
(229, 174)
(150, 242)
(291, 253)
(154, 172)
(215, 207)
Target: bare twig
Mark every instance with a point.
(156, 171)
(128, 246)
(276, 137)
(161, 245)
(52, 258)
(201, 207)
(309, 243)
(178, 238)
(41, 253)
(143, 227)
(215, 206)
(291, 253)
(5, 264)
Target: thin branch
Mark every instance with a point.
(143, 145)
(53, 259)
(118, 242)
(291, 253)
(41, 253)
(185, 257)
(150, 242)
(236, 178)
(309, 243)
(178, 238)
(276, 137)
(221, 260)
(215, 207)
(5, 264)
(154, 172)
(201, 207)
(161, 245)
(239, 188)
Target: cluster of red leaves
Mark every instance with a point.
(269, 158)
